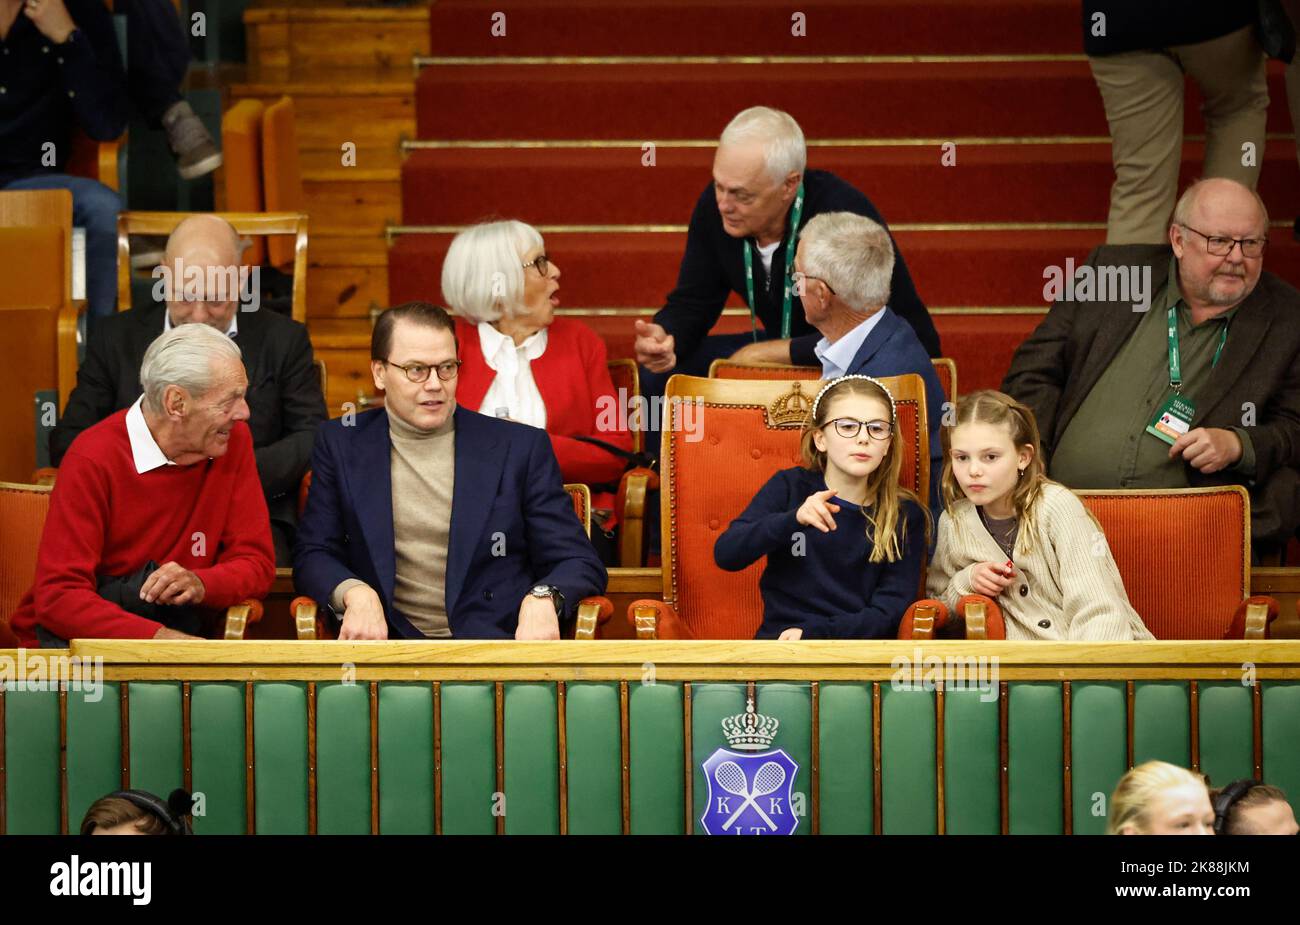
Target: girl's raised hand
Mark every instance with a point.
(991, 578)
(792, 633)
(817, 511)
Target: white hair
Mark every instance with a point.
(185, 356)
(851, 254)
(783, 146)
(483, 274)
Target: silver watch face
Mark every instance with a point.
(540, 591)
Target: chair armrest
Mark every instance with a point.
(240, 617)
(978, 617)
(45, 475)
(593, 613)
(1252, 618)
(630, 503)
(653, 619)
(107, 156)
(307, 623)
(923, 620)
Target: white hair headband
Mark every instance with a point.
(893, 414)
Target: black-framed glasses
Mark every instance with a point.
(1221, 245)
(848, 428)
(799, 277)
(418, 372)
(543, 264)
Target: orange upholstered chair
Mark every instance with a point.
(281, 174)
(725, 438)
(22, 518)
(241, 154)
(1184, 556)
(945, 368)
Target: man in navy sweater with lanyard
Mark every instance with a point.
(742, 238)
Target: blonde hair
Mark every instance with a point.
(1138, 789)
(882, 482)
(987, 406)
(483, 274)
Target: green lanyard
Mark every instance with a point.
(795, 215)
(1175, 363)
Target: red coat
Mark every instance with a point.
(576, 389)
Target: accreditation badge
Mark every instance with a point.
(1173, 419)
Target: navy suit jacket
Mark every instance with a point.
(512, 524)
(893, 349)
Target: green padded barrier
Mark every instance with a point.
(656, 757)
(791, 705)
(1226, 719)
(971, 799)
(405, 759)
(908, 783)
(1162, 722)
(591, 728)
(1098, 750)
(532, 759)
(32, 762)
(1035, 759)
(469, 776)
(157, 737)
(94, 750)
(343, 759)
(710, 703)
(280, 757)
(1281, 728)
(844, 743)
(217, 769)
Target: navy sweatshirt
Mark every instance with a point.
(714, 266)
(830, 591)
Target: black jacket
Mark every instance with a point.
(1114, 26)
(714, 266)
(284, 395)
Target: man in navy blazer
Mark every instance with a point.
(427, 520)
(843, 267)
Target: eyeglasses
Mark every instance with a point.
(1221, 246)
(799, 277)
(543, 264)
(848, 428)
(418, 372)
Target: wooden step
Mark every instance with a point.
(334, 33)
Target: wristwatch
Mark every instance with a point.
(553, 593)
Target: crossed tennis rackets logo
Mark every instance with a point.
(750, 794)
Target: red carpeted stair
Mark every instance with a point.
(546, 123)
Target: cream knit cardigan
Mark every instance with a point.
(1067, 587)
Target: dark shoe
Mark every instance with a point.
(196, 152)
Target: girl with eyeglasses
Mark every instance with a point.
(844, 541)
(1010, 533)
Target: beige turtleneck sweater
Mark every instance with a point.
(422, 469)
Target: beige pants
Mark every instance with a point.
(1143, 94)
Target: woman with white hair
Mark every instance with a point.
(520, 361)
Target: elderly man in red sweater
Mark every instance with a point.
(170, 480)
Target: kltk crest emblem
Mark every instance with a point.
(751, 785)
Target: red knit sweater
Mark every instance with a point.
(107, 519)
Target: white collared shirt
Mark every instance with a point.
(145, 451)
(231, 330)
(514, 388)
(836, 358)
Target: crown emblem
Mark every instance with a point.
(750, 731)
(791, 409)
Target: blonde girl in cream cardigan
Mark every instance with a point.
(1012, 534)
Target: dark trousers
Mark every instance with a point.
(157, 56)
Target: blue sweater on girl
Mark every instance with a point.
(831, 591)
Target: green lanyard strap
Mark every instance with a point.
(795, 214)
(1175, 357)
